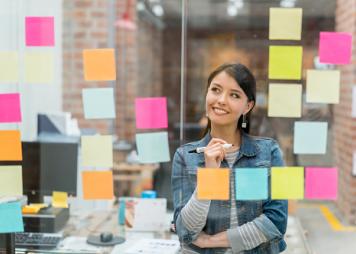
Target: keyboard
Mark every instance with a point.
(37, 240)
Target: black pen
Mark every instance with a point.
(201, 149)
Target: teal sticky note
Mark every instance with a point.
(310, 137)
(98, 103)
(11, 217)
(152, 147)
(251, 183)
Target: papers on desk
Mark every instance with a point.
(154, 246)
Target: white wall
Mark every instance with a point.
(34, 97)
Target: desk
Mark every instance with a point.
(133, 178)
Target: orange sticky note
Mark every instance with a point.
(10, 146)
(99, 64)
(213, 184)
(98, 185)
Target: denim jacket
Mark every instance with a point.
(254, 152)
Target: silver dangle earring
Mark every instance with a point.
(244, 122)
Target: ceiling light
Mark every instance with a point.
(287, 3)
(157, 9)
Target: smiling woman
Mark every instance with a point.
(227, 226)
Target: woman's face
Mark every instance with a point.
(225, 100)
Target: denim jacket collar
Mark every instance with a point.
(248, 147)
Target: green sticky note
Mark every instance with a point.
(11, 181)
(9, 67)
(11, 218)
(287, 183)
(153, 147)
(285, 23)
(97, 151)
(39, 67)
(251, 183)
(285, 62)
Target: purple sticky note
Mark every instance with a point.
(10, 111)
(39, 31)
(321, 183)
(151, 113)
(335, 47)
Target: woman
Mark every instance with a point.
(220, 226)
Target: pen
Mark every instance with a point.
(201, 149)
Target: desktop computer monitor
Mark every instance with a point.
(48, 167)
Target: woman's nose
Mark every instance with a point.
(222, 99)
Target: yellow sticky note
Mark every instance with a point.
(29, 209)
(9, 67)
(11, 181)
(323, 86)
(285, 100)
(59, 199)
(99, 64)
(97, 151)
(213, 184)
(287, 182)
(285, 23)
(39, 67)
(285, 62)
(39, 205)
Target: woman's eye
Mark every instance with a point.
(235, 95)
(215, 89)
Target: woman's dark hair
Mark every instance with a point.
(245, 80)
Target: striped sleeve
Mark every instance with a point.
(245, 237)
(194, 213)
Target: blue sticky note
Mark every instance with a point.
(11, 217)
(251, 183)
(152, 147)
(310, 137)
(98, 103)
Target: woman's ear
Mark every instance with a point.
(249, 106)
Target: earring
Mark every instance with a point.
(207, 116)
(244, 122)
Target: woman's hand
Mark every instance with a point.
(203, 240)
(214, 153)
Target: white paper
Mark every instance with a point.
(354, 101)
(150, 214)
(154, 246)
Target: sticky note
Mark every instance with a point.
(213, 184)
(11, 218)
(287, 182)
(98, 185)
(151, 113)
(97, 151)
(323, 86)
(321, 183)
(335, 47)
(99, 64)
(285, 100)
(251, 183)
(310, 137)
(9, 66)
(285, 62)
(285, 23)
(98, 103)
(10, 145)
(39, 67)
(59, 199)
(152, 147)
(10, 110)
(39, 31)
(354, 101)
(11, 181)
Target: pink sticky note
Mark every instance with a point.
(335, 47)
(10, 111)
(321, 183)
(151, 113)
(39, 31)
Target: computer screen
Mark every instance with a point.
(48, 167)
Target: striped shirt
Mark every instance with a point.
(195, 213)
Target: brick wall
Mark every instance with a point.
(344, 125)
(138, 57)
